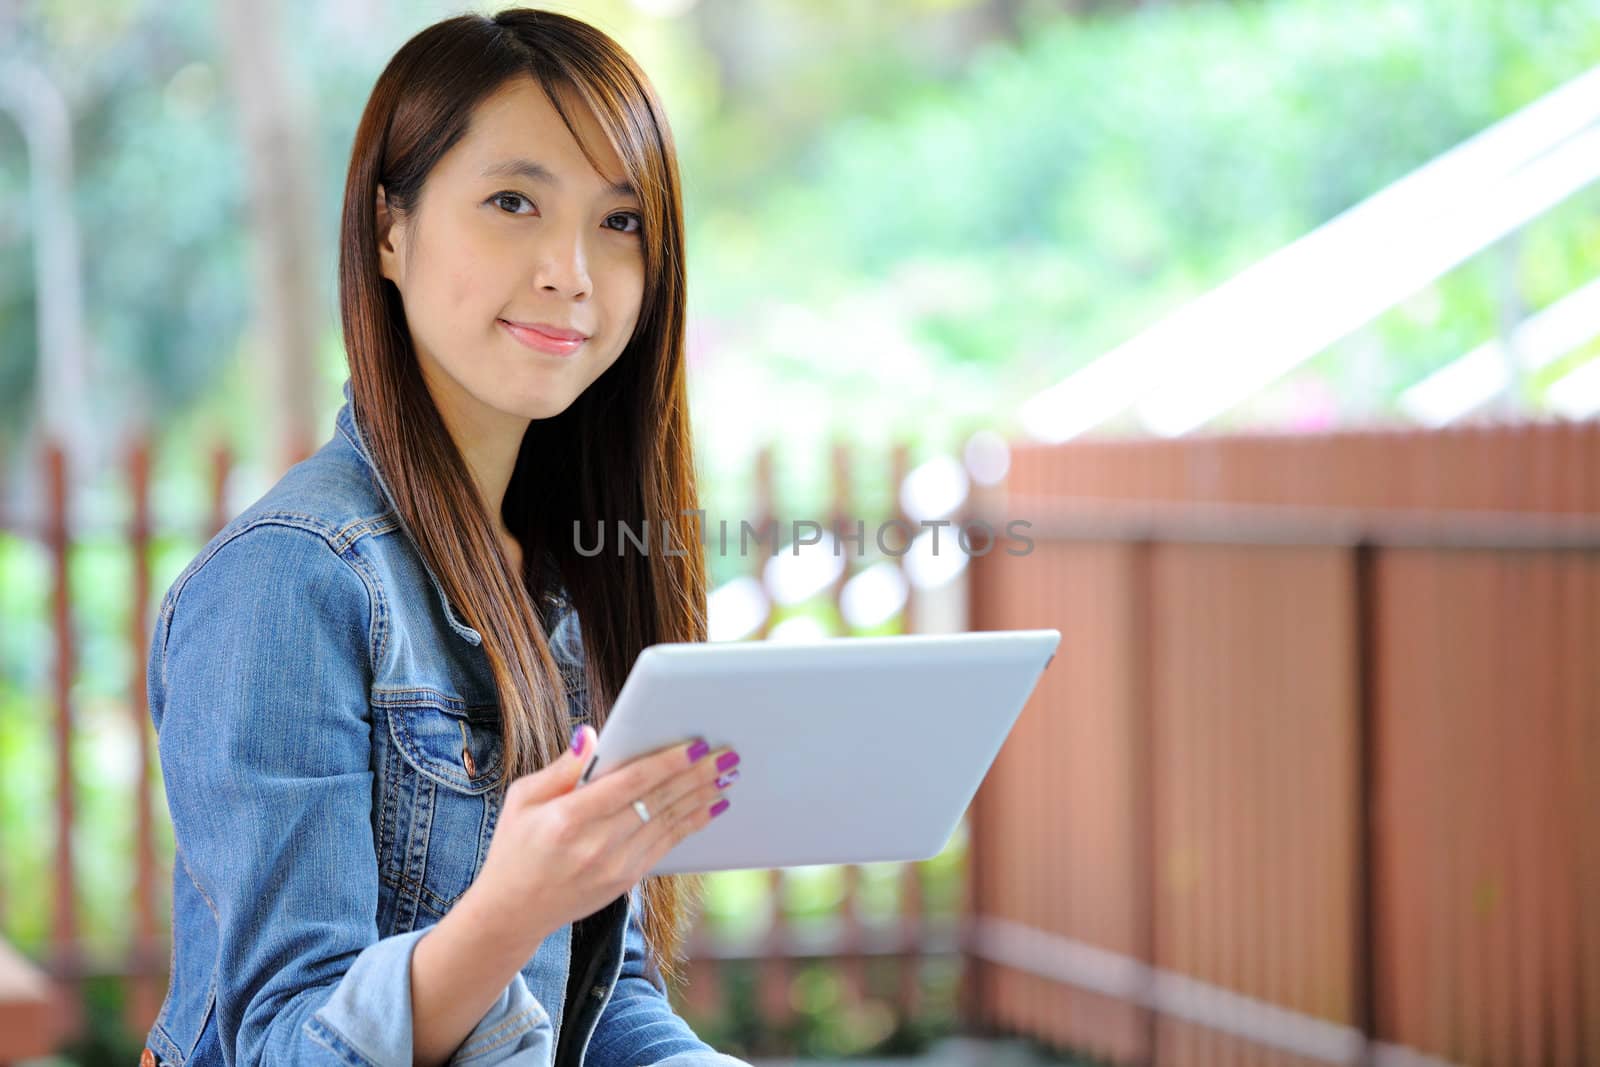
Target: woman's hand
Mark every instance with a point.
(560, 854)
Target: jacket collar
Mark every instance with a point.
(351, 432)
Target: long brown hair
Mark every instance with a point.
(621, 452)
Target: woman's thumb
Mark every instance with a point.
(560, 776)
(579, 750)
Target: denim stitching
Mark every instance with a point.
(415, 694)
(415, 865)
(377, 610)
(388, 780)
(198, 887)
(168, 1048)
(417, 890)
(429, 766)
(356, 529)
(397, 875)
(520, 1021)
(535, 1012)
(163, 629)
(337, 1043)
(172, 969)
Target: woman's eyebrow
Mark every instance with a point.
(538, 172)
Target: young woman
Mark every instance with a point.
(364, 685)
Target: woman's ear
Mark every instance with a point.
(391, 237)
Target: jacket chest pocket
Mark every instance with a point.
(439, 800)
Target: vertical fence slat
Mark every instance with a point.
(1583, 734)
(146, 959)
(853, 968)
(66, 951)
(773, 971)
(1230, 715)
(973, 980)
(1405, 601)
(1138, 671)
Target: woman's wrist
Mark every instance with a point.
(492, 929)
(458, 969)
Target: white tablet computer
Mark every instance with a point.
(851, 749)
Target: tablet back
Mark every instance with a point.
(852, 750)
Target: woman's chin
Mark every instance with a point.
(532, 404)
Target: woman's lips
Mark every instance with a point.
(540, 342)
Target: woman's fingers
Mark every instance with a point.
(659, 779)
(690, 811)
(700, 780)
(615, 791)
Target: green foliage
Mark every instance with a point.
(938, 262)
(105, 1040)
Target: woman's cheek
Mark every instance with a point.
(462, 289)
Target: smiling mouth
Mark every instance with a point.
(540, 341)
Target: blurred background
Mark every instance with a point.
(1279, 322)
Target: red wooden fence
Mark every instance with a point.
(1308, 781)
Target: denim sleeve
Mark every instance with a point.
(261, 702)
(638, 1025)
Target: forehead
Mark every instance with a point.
(518, 120)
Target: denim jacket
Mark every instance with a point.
(328, 736)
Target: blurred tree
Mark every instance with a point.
(288, 315)
(154, 197)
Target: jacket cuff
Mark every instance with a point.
(367, 1021)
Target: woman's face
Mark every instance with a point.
(514, 226)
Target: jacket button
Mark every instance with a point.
(466, 756)
(147, 1059)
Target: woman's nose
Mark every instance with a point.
(563, 266)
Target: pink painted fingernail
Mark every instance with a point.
(726, 760)
(697, 751)
(728, 779)
(719, 807)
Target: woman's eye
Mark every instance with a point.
(635, 216)
(498, 197)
